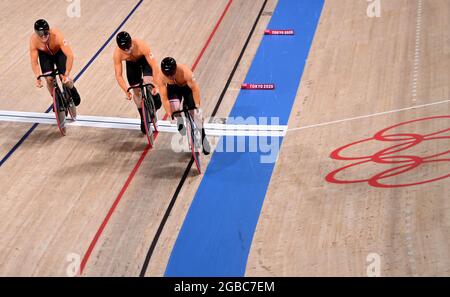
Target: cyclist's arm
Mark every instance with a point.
(67, 50)
(195, 89)
(34, 56)
(118, 72)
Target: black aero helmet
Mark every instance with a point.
(123, 40)
(168, 66)
(41, 27)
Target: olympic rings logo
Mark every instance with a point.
(397, 156)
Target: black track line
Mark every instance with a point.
(191, 162)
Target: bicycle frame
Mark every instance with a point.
(190, 133)
(148, 109)
(60, 105)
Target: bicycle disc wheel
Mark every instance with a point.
(60, 115)
(151, 111)
(147, 123)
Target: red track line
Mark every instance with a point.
(141, 159)
(111, 210)
(211, 36)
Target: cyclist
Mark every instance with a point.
(141, 66)
(178, 82)
(47, 49)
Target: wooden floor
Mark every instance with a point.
(56, 192)
(361, 66)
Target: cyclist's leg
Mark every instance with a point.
(188, 97)
(47, 65)
(134, 77)
(189, 102)
(61, 61)
(174, 95)
(147, 73)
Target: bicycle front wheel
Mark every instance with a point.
(151, 104)
(193, 142)
(147, 123)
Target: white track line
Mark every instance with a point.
(409, 239)
(368, 116)
(134, 124)
(416, 67)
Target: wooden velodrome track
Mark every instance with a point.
(363, 75)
